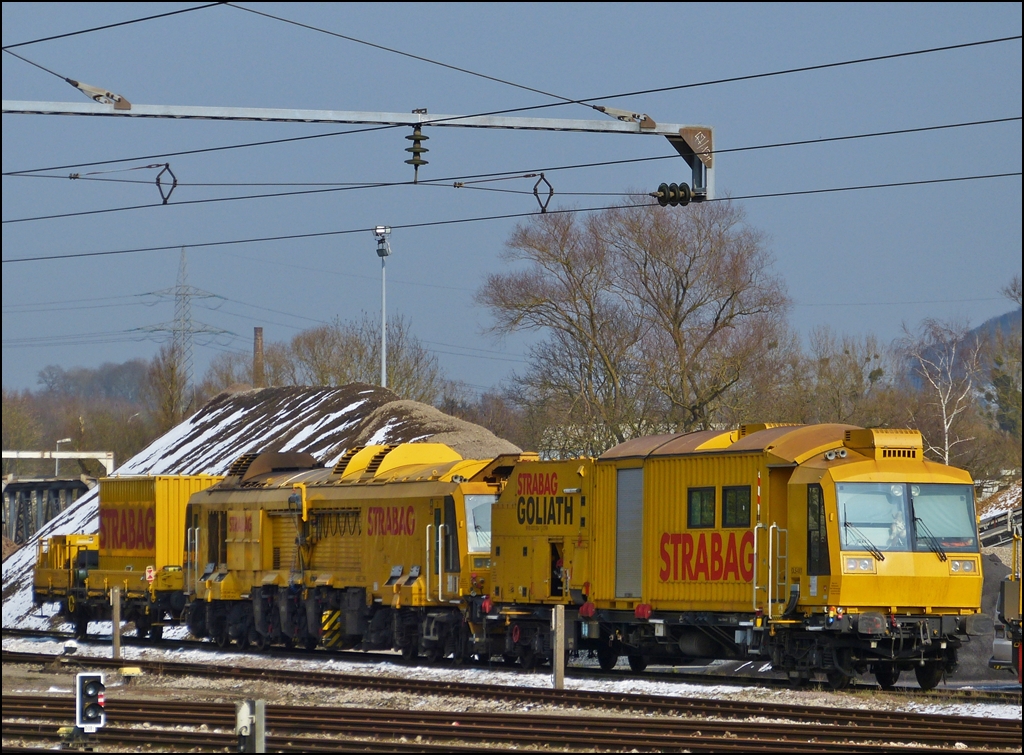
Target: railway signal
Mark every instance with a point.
(90, 713)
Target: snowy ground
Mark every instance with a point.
(290, 694)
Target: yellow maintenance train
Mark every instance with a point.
(819, 548)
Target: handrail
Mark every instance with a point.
(440, 561)
(757, 527)
(188, 559)
(430, 528)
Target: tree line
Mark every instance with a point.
(647, 321)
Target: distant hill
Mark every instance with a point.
(1005, 323)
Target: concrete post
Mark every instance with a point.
(115, 602)
(260, 727)
(558, 649)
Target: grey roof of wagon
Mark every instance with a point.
(785, 443)
(324, 422)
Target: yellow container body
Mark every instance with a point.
(542, 524)
(142, 525)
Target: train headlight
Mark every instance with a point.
(963, 566)
(858, 565)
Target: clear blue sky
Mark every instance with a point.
(865, 261)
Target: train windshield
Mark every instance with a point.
(883, 516)
(872, 516)
(943, 517)
(478, 522)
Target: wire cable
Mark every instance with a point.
(523, 109)
(7, 48)
(486, 218)
(464, 180)
(566, 100)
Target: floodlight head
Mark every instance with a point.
(381, 230)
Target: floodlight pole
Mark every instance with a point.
(383, 250)
(56, 459)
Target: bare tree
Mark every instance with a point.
(849, 373)
(340, 353)
(165, 389)
(700, 283)
(651, 317)
(1012, 290)
(585, 372)
(946, 358)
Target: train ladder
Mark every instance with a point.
(773, 580)
(778, 588)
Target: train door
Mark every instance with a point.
(629, 512)
(771, 584)
(443, 535)
(191, 561)
(556, 551)
(216, 540)
(818, 568)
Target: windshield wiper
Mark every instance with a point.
(862, 539)
(933, 542)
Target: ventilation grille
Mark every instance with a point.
(241, 465)
(376, 461)
(277, 558)
(899, 453)
(342, 465)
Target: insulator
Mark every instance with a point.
(417, 149)
(674, 194)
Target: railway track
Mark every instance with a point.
(648, 704)
(301, 728)
(1006, 697)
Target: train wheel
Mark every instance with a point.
(242, 641)
(530, 658)
(637, 662)
(81, 621)
(509, 659)
(837, 680)
(156, 632)
(929, 675)
(886, 674)
(221, 638)
(411, 652)
(435, 654)
(262, 642)
(607, 658)
(309, 642)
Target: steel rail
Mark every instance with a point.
(1007, 697)
(496, 726)
(519, 729)
(647, 703)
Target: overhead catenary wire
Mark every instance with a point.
(90, 30)
(486, 218)
(566, 100)
(463, 181)
(527, 108)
